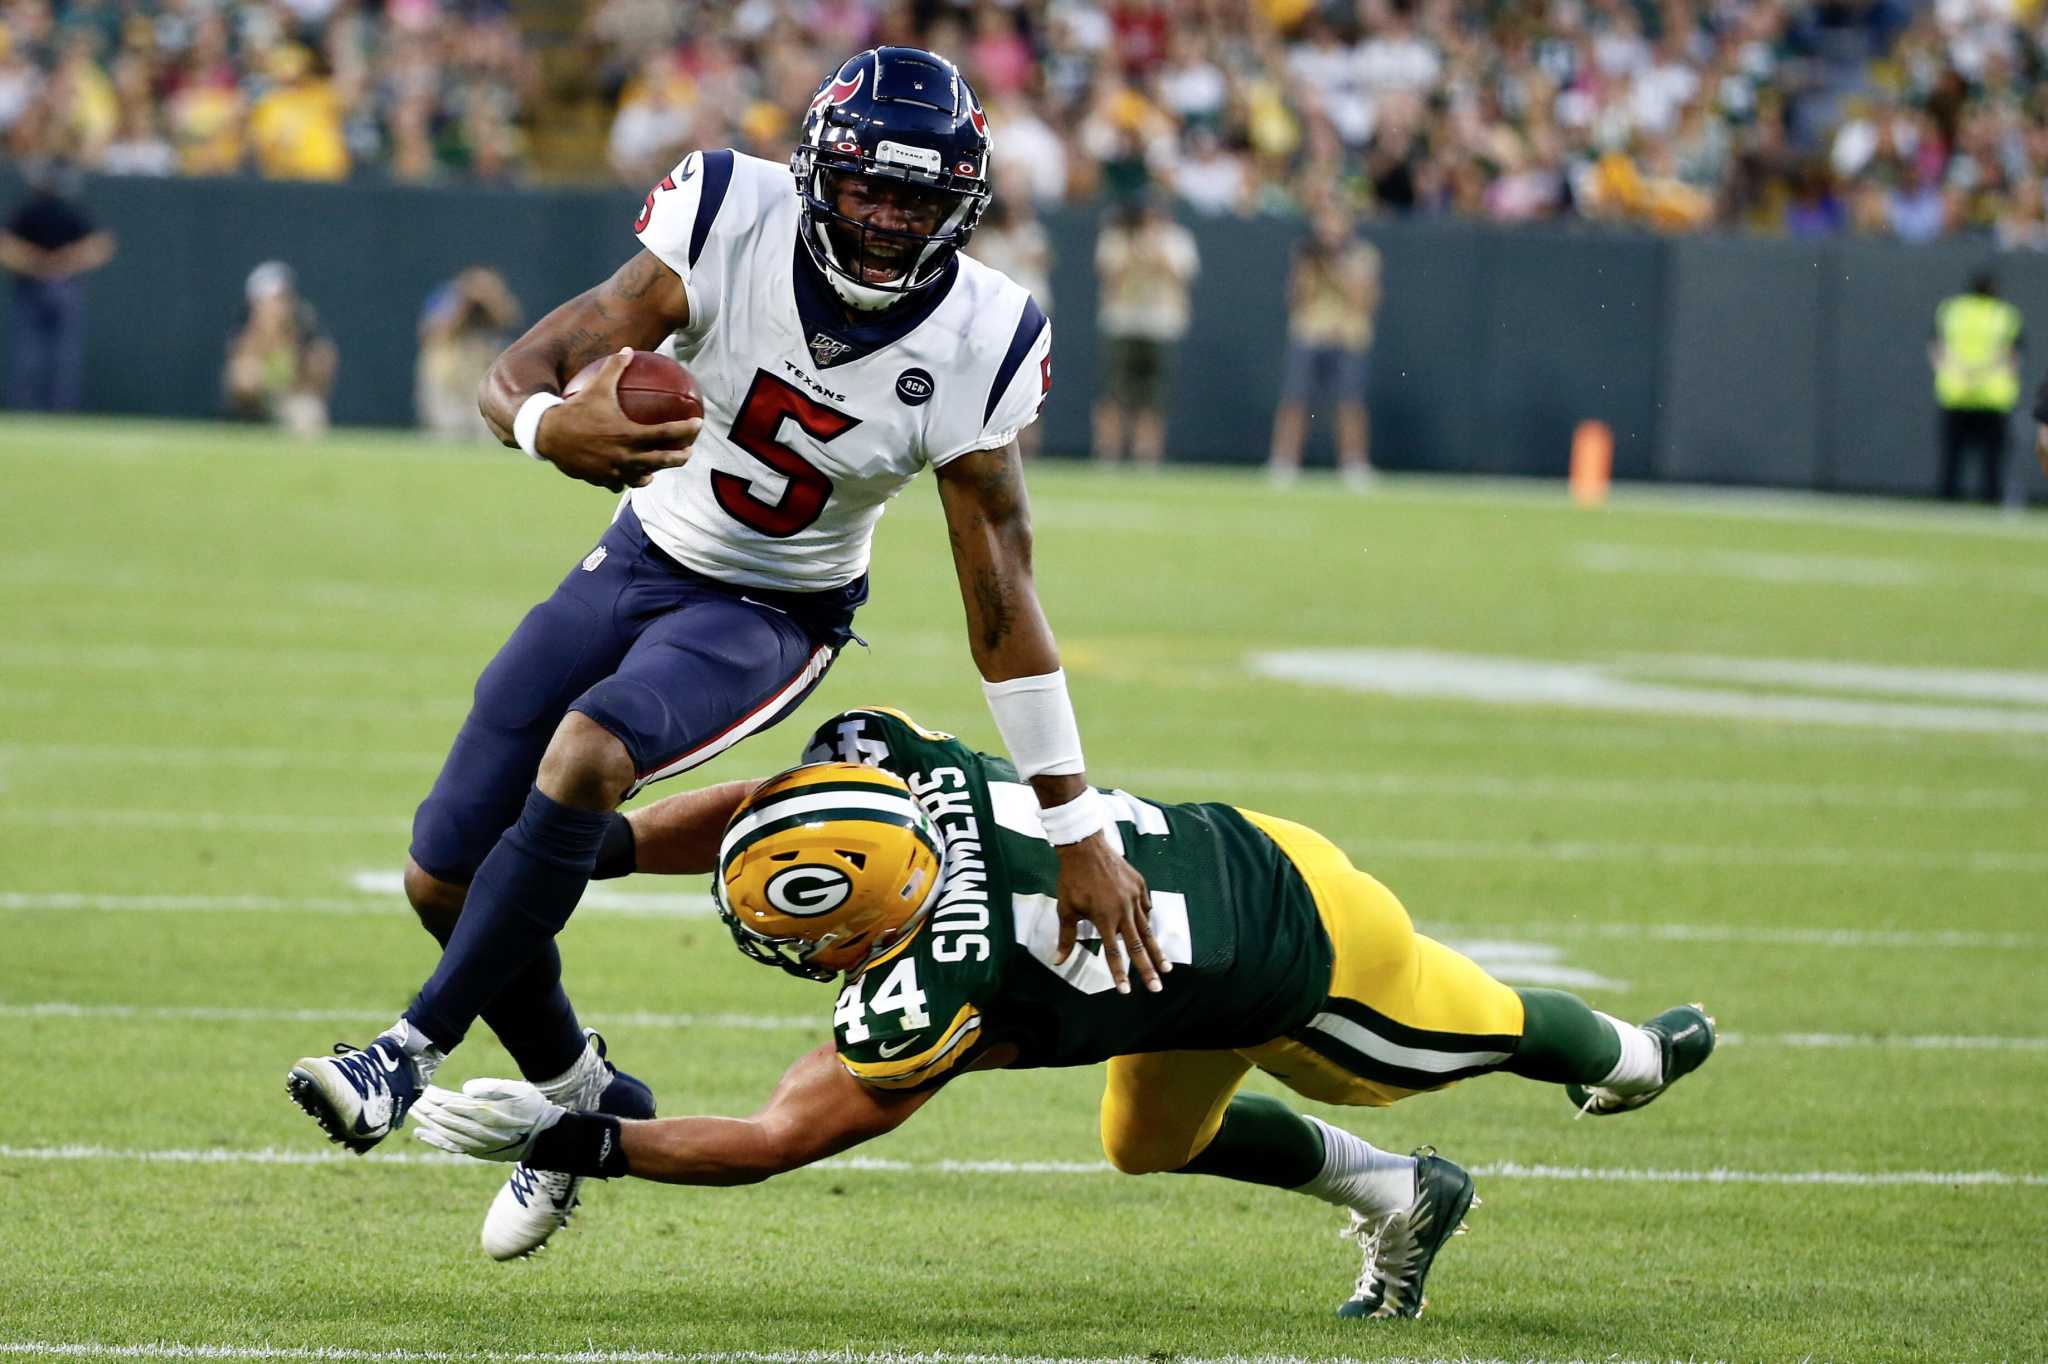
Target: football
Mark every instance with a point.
(653, 388)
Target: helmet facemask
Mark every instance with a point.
(873, 267)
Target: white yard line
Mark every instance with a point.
(1064, 1169)
(1206, 781)
(1831, 1041)
(1880, 679)
(1988, 861)
(206, 1013)
(815, 1024)
(1606, 790)
(683, 906)
(1802, 568)
(203, 700)
(600, 895)
(1612, 685)
(1764, 566)
(205, 821)
(211, 660)
(208, 756)
(320, 1354)
(1753, 935)
(693, 907)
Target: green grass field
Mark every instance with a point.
(231, 667)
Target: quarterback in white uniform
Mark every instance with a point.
(843, 344)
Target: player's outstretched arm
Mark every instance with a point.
(587, 437)
(988, 518)
(817, 1110)
(679, 836)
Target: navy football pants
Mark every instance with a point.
(678, 666)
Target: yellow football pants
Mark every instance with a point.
(1404, 1014)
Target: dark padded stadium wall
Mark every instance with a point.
(1075, 351)
(1428, 394)
(366, 257)
(1741, 383)
(1570, 330)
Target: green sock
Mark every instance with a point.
(1563, 1041)
(1262, 1141)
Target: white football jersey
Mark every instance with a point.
(812, 423)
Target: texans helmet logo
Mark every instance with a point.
(839, 91)
(978, 119)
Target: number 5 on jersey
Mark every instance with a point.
(758, 431)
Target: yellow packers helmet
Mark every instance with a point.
(824, 865)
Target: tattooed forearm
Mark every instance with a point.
(988, 521)
(589, 340)
(640, 305)
(995, 615)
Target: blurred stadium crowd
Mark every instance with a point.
(1807, 117)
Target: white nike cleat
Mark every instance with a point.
(533, 1205)
(358, 1095)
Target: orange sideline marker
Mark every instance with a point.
(1592, 463)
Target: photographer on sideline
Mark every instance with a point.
(1333, 291)
(463, 325)
(1146, 263)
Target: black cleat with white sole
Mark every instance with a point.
(1685, 1038)
(1401, 1247)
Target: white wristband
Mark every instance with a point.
(1036, 721)
(1079, 819)
(526, 426)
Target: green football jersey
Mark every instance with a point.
(1250, 958)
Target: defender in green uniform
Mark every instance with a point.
(916, 868)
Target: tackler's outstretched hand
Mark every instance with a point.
(589, 437)
(489, 1119)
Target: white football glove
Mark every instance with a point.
(489, 1119)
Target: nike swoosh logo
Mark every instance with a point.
(885, 1051)
(389, 1062)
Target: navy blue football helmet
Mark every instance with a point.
(901, 124)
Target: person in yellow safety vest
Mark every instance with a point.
(1975, 353)
(2041, 426)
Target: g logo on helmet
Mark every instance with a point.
(805, 892)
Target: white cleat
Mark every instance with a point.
(530, 1207)
(359, 1095)
(533, 1205)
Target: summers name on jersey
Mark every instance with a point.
(1251, 960)
(811, 422)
